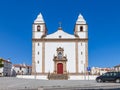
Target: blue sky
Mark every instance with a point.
(102, 16)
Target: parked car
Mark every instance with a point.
(109, 76)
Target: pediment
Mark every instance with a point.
(60, 34)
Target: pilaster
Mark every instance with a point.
(76, 50)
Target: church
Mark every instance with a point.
(60, 55)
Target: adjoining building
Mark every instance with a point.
(117, 68)
(99, 71)
(5, 69)
(21, 69)
(59, 54)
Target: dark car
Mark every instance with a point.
(109, 76)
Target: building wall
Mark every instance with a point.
(6, 70)
(73, 77)
(69, 51)
(117, 68)
(50, 51)
(1, 71)
(81, 56)
(84, 33)
(21, 70)
(75, 47)
(38, 34)
(38, 56)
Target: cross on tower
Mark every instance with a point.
(60, 26)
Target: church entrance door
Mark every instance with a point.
(59, 68)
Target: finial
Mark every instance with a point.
(60, 26)
(80, 15)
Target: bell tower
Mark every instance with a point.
(81, 28)
(39, 27)
(39, 31)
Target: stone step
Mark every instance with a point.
(58, 76)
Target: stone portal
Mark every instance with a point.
(59, 66)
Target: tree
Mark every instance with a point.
(1, 65)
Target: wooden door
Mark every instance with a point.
(59, 68)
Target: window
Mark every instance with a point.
(20, 68)
(59, 55)
(38, 28)
(81, 28)
(60, 36)
(81, 62)
(81, 53)
(22, 72)
(17, 71)
(106, 74)
(115, 74)
(38, 62)
(38, 53)
(81, 44)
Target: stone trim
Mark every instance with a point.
(76, 29)
(81, 24)
(86, 54)
(33, 58)
(76, 50)
(43, 57)
(38, 24)
(40, 73)
(63, 60)
(33, 28)
(49, 72)
(60, 40)
(76, 73)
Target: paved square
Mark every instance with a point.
(12, 83)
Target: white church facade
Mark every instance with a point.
(59, 55)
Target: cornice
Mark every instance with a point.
(61, 40)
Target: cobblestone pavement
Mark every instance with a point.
(12, 83)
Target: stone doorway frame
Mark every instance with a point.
(62, 60)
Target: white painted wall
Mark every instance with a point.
(23, 69)
(82, 34)
(69, 50)
(60, 33)
(41, 26)
(69, 47)
(38, 57)
(73, 77)
(50, 51)
(81, 56)
(6, 70)
(37, 34)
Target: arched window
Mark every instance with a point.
(81, 28)
(38, 28)
(59, 55)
